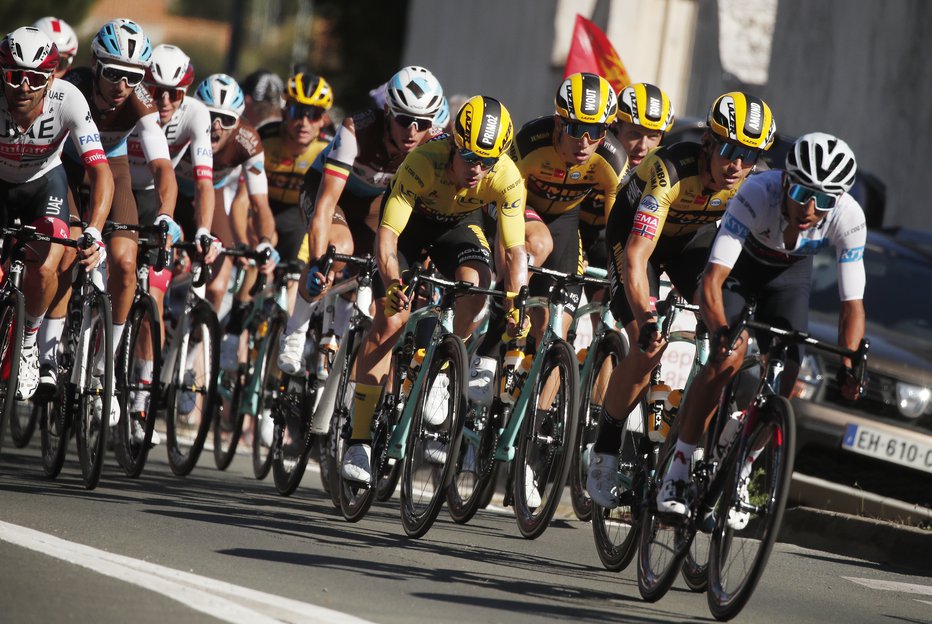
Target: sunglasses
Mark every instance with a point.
(577, 130)
(227, 121)
(35, 79)
(300, 111)
(472, 159)
(422, 124)
(116, 73)
(175, 94)
(800, 194)
(733, 151)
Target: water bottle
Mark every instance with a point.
(513, 360)
(416, 362)
(325, 352)
(657, 426)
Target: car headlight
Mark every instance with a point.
(911, 400)
(810, 378)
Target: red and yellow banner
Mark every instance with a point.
(591, 51)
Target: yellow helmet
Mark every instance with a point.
(743, 118)
(645, 105)
(483, 126)
(310, 90)
(586, 98)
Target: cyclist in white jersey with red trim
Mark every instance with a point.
(65, 39)
(770, 231)
(38, 112)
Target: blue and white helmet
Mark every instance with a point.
(414, 91)
(221, 93)
(123, 41)
(443, 115)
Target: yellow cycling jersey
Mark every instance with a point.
(664, 194)
(422, 185)
(285, 172)
(555, 187)
(594, 210)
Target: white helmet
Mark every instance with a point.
(28, 48)
(414, 91)
(221, 93)
(170, 67)
(61, 33)
(822, 162)
(123, 41)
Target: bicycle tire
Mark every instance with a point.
(470, 486)
(142, 323)
(615, 531)
(433, 444)
(22, 423)
(13, 319)
(335, 440)
(189, 403)
(293, 439)
(773, 432)
(546, 441)
(97, 393)
(610, 347)
(228, 419)
(269, 387)
(695, 568)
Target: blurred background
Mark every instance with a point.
(855, 68)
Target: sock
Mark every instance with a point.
(50, 334)
(608, 439)
(300, 317)
(679, 467)
(117, 336)
(31, 332)
(365, 400)
(144, 370)
(342, 309)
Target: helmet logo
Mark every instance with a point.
(490, 127)
(590, 101)
(755, 117)
(653, 108)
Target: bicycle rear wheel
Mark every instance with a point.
(334, 442)
(756, 488)
(474, 468)
(434, 438)
(609, 352)
(547, 437)
(22, 423)
(228, 418)
(12, 317)
(95, 396)
(268, 386)
(192, 390)
(139, 366)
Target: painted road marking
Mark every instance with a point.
(219, 599)
(897, 586)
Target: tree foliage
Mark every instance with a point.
(16, 14)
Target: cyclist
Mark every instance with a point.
(121, 53)
(65, 39)
(40, 112)
(264, 91)
(342, 192)
(764, 249)
(435, 203)
(652, 228)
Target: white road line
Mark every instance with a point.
(906, 588)
(224, 601)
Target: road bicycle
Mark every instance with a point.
(534, 436)
(737, 494)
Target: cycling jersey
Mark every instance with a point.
(422, 186)
(555, 187)
(187, 130)
(30, 153)
(136, 112)
(242, 149)
(754, 223)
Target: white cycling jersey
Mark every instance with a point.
(754, 223)
(187, 131)
(29, 153)
(243, 148)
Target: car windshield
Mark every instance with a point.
(897, 297)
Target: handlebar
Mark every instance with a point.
(569, 278)
(160, 230)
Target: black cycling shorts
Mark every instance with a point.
(360, 214)
(29, 201)
(566, 256)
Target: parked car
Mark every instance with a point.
(882, 442)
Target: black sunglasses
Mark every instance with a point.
(299, 111)
(472, 159)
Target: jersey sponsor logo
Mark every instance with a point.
(202, 172)
(809, 247)
(94, 157)
(89, 139)
(732, 225)
(852, 254)
(54, 207)
(857, 228)
(649, 204)
(557, 192)
(658, 177)
(575, 175)
(701, 200)
(56, 95)
(203, 151)
(645, 225)
(716, 202)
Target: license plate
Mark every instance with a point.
(881, 445)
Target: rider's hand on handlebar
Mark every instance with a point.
(211, 250)
(174, 230)
(396, 299)
(848, 383)
(93, 254)
(649, 337)
(720, 349)
(269, 267)
(512, 331)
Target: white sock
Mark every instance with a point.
(300, 317)
(117, 336)
(342, 310)
(679, 467)
(144, 370)
(33, 323)
(50, 334)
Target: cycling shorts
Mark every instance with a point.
(122, 210)
(566, 256)
(46, 196)
(360, 214)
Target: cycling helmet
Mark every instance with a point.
(170, 67)
(414, 91)
(645, 105)
(483, 126)
(123, 41)
(220, 92)
(744, 119)
(822, 162)
(586, 98)
(443, 115)
(263, 85)
(310, 90)
(61, 33)
(29, 48)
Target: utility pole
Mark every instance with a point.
(236, 36)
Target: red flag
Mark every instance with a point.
(591, 51)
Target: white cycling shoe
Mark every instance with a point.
(291, 353)
(602, 480)
(437, 404)
(671, 499)
(356, 464)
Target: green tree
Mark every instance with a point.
(14, 14)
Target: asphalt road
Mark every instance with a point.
(223, 547)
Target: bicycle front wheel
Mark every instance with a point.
(96, 395)
(434, 438)
(756, 488)
(12, 317)
(229, 418)
(474, 469)
(192, 389)
(269, 387)
(548, 434)
(609, 352)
